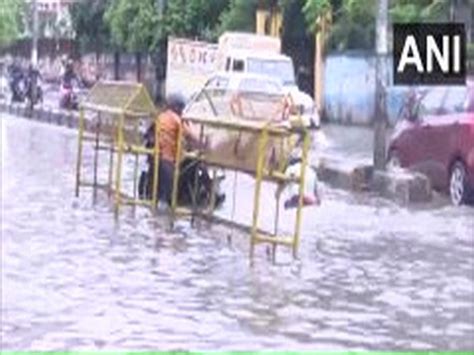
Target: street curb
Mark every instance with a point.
(58, 117)
(354, 177)
(402, 187)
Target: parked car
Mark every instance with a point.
(436, 137)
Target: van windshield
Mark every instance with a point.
(281, 69)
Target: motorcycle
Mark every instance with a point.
(31, 85)
(18, 86)
(68, 99)
(194, 183)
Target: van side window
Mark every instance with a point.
(227, 64)
(238, 65)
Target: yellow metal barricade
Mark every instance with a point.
(112, 113)
(109, 119)
(264, 132)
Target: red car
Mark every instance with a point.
(436, 137)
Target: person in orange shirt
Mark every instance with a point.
(169, 123)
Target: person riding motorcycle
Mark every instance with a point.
(17, 82)
(68, 81)
(169, 123)
(195, 186)
(69, 75)
(34, 91)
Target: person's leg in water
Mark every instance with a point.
(166, 175)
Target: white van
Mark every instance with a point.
(191, 63)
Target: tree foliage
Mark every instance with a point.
(353, 21)
(194, 18)
(87, 18)
(239, 15)
(406, 11)
(314, 9)
(138, 25)
(134, 25)
(11, 12)
(353, 25)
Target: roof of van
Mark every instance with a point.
(249, 41)
(244, 53)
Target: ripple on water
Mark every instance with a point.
(371, 275)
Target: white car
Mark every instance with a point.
(250, 95)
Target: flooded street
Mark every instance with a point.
(371, 275)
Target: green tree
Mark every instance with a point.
(194, 18)
(353, 22)
(138, 26)
(353, 26)
(406, 11)
(134, 25)
(313, 9)
(91, 31)
(11, 13)
(240, 14)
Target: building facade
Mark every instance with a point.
(54, 19)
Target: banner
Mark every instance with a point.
(189, 65)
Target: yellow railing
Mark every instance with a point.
(125, 105)
(263, 132)
(115, 130)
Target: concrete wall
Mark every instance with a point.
(349, 91)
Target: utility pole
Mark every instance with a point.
(319, 44)
(34, 55)
(34, 47)
(160, 56)
(380, 120)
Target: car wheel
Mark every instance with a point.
(457, 184)
(394, 161)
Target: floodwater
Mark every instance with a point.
(371, 275)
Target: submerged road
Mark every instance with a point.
(371, 275)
